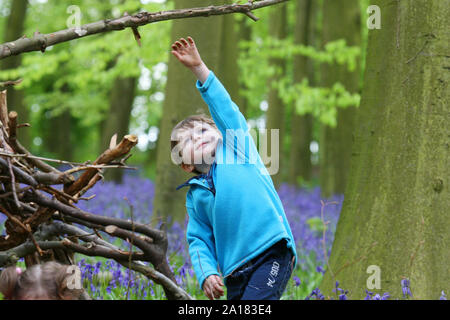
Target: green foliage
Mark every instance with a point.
(78, 75)
(316, 224)
(321, 102)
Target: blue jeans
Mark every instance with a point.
(264, 277)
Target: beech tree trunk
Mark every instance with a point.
(276, 109)
(117, 120)
(342, 20)
(396, 209)
(301, 125)
(228, 69)
(245, 34)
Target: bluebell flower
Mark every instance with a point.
(316, 292)
(385, 296)
(369, 295)
(297, 281)
(405, 288)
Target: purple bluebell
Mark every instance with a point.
(297, 281)
(405, 288)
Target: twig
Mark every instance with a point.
(58, 192)
(13, 184)
(76, 165)
(131, 247)
(6, 84)
(39, 250)
(101, 166)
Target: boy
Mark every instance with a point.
(237, 227)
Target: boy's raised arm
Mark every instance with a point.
(224, 111)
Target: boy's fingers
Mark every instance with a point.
(191, 41)
(184, 42)
(210, 294)
(179, 45)
(176, 54)
(219, 281)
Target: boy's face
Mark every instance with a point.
(198, 144)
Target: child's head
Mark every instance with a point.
(48, 281)
(193, 143)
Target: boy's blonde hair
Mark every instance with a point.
(189, 123)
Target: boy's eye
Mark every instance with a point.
(203, 130)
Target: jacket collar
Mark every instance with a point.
(205, 180)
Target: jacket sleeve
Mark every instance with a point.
(224, 111)
(228, 119)
(201, 246)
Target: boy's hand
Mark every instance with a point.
(186, 52)
(212, 287)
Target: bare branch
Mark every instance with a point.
(39, 42)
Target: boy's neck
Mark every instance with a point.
(203, 168)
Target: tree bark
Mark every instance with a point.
(342, 20)
(181, 100)
(228, 69)
(301, 125)
(245, 34)
(276, 110)
(398, 189)
(57, 131)
(14, 29)
(117, 120)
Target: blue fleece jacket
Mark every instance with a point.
(234, 211)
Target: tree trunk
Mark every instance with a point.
(276, 109)
(301, 125)
(57, 136)
(181, 100)
(228, 69)
(342, 20)
(396, 209)
(14, 29)
(245, 34)
(118, 118)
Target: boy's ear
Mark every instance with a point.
(187, 167)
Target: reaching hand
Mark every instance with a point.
(186, 52)
(212, 287)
